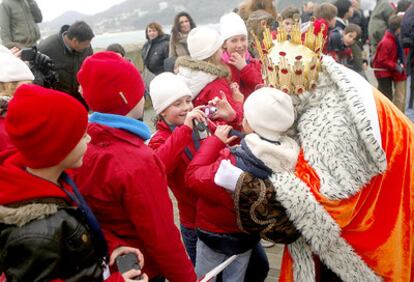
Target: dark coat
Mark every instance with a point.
(39, 223)
(67, 62)
(155, 52)
(18, 22)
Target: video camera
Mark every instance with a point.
(42, 67)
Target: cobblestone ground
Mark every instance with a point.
(275, 253)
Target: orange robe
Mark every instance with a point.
(378, 221)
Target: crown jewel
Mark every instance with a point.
(291, 63)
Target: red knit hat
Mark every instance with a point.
(110, 84)
(45, 125)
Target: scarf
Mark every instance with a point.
(131, 125)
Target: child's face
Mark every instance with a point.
(288, 24)
(246, 127)
(349, 38)
(237, 43)
(75, 157)
(175, 114)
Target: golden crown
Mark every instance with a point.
(291, 63)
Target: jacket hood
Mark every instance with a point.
(197, 65)
(18, 185)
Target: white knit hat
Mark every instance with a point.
(269, 112)
(165, 89)
(231, 25)
(203, 42)
(12, 68)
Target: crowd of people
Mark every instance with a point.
(266, 128)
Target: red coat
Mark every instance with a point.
(215, 208)
(169, 147)
(247, 78)
(125, 185)
(212, 90)
(4, 137)
(387, 57)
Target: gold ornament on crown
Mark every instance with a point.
(291, 63)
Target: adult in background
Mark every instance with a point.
(183, 24)
(345, 11)
(378, 23)
(68, 49)
(154, 52)
(359, 19)
(407, 39)
(249, 6)
(307, 11)
(18, 23)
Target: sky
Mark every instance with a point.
(54, 8)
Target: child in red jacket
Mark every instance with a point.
(389, 60)
(208, 77)
(245, 70)
(175, 144)
(122, 179)
(268, 115)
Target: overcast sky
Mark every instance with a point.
(54, 8)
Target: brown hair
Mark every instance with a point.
(326, 11)
(289, 12)
(8, 88)
(394, 22)
(176, 27)
(156, 26)
(249, 6)
(353, 28)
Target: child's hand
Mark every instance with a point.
(196, 114)
(237, 60)
(237, 95)
(399, 68)
(222, 133)
(224, 110)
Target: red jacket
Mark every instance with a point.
(387, 58)
(5, 142)
(125, 185)
(212, 90)
(169, 147)
(215, 209)
(247, 78)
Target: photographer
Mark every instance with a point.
(68, 49)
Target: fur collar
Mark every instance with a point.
(22, 215)
(327, 142)
(277, 157)
(203, 66)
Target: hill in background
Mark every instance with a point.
(136, 14)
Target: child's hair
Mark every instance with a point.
(326, 11)
(289, 12)
(218, 62)
(343, 7)
(353, 28)
(8, 88)
(117, 48)
(394, 22)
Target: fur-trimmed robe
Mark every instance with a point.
(352, 194)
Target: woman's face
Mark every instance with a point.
(237, 43)
(185, 25)
(152, 33)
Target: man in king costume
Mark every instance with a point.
(351, 196)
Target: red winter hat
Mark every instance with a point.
(45, 125)
(110, 84)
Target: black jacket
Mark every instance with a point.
(52, 242)
(67, 62)
(154, 52)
